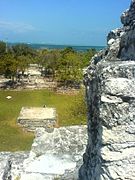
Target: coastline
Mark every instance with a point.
(54, 46)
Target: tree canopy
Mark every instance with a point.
(2, 48)
(64, 66)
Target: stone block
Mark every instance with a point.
(31, 118)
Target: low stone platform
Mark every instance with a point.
(35, 117)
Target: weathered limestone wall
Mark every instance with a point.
(110, 92)
(55, 154)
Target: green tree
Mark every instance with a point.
(86, 57)
(2, 48)
(2, 65)
(22, 63)
(69, 70)
(23, 50)
(67, 50)
(48, 61)
(9, 66)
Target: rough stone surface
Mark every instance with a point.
(31, 118)
(55, 154)
(11, 164)
(110, 93)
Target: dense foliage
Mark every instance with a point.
(64, 66)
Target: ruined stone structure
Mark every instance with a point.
(110, 92)
(55, 154)
(31, 79)
(110, 153)
(31, 118)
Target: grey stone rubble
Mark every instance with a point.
(31, 118)
(34, 79)
(55, 154)
(10, 163)
(110, 93)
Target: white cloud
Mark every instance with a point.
(16, 27)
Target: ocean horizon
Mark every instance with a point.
(54, 46)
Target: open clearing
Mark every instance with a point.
(14, 138)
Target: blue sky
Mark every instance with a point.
(70, 22)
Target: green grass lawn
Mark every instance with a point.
(12, 137)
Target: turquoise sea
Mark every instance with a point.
(50, 46)
(77, 48)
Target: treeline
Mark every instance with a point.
(64, 66)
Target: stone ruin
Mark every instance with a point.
(110, 93)
(55, 154)
(31, 118)
(110, 152)
(32, 78)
